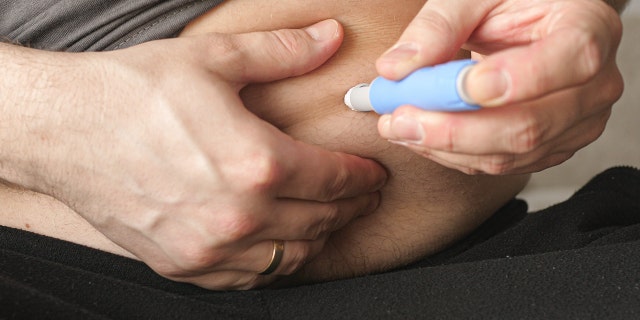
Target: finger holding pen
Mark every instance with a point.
(556, 58)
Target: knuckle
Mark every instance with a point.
(592, 57)
(297, 259)
(338, 186)
(596, 129)
(498, 165)
(527, 135)
(262, 171)
(330, 220)
(236, 227)
(197, 259)
(190, 260)
(614, 87)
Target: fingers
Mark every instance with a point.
(524, 73)
(334, 175)
(243, 272)
(548, 153)
(434, 36)
(304, 226)
(296, 170)
(258, 257)
(536, 63)
(305, 220)
(274, 55)
(489, 131)
(514, 139)
(518, 128)
(295, 254)
(540, 59)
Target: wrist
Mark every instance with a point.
(33, 92)
(20, 75)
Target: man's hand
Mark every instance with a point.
(153, 146)
(549, 65)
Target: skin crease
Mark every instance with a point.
(424, 207)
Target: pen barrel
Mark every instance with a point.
(431, 88)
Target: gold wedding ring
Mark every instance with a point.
(276, 257)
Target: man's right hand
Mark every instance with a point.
(153, 146)
(549, 65)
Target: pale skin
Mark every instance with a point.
(549, 65)
(424, 207)
(422, 210)
(581, 121)
(150, 153)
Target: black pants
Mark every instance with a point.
(578, 259)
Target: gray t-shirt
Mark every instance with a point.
(95, 25)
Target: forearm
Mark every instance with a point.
(32, 90)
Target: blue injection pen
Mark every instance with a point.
(437, 88)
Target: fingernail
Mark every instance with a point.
(407, 129)
(401, 59)
(324, 30)
(489, 88)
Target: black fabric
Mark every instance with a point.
(578, 259)
(95, 25)
(605, 211)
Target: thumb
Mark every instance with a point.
(434, 36)
(273, 55)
